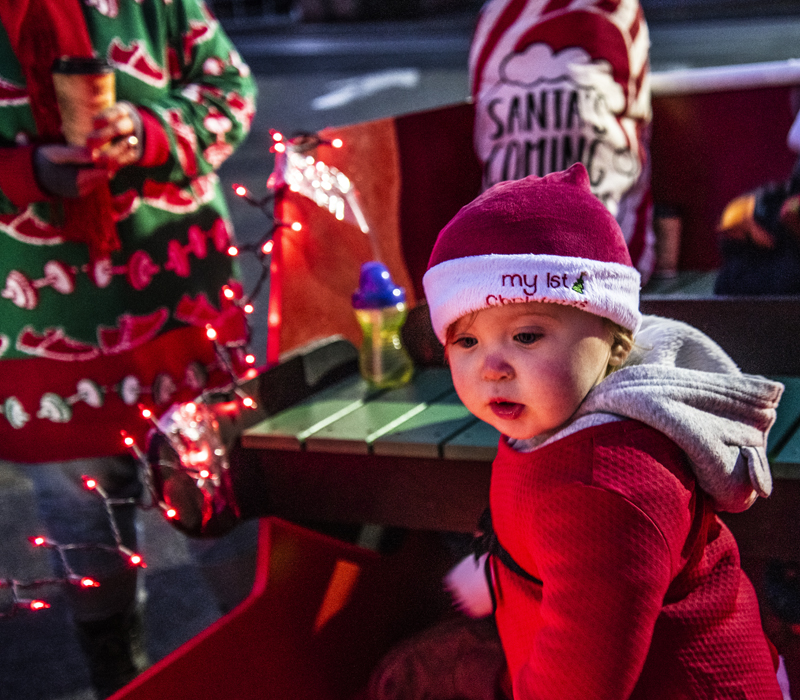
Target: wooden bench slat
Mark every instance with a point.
(478, 442)
(685, 283)
(355, 432)
(783, 445)
(786, 465)
(287, 430)
(788, 415)
(423, 434)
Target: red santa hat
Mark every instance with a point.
(536, 239)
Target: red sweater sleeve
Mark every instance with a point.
(17, 178)
(606, 568)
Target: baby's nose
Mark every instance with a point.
(496, 367)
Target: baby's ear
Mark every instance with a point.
(619, 353)
(621, 347)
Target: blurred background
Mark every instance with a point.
(318, 63)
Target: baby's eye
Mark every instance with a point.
(526, 337)
(465, 342)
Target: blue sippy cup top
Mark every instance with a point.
(376, 288)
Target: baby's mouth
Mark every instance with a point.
(508, 410)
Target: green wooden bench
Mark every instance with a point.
(423, 419)
(413, 456)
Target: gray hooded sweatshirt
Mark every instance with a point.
(680, 382)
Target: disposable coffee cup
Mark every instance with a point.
(84, 88)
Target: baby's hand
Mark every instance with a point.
(117, 137)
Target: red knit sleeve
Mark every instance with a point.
(606, 568)
(17, 179)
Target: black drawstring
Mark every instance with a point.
(486, 542)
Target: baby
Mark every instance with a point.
(611, 574)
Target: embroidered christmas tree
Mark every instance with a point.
(578, 286)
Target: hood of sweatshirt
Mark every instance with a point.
(680, 382)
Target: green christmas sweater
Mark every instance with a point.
(85, 343)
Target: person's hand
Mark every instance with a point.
(66, 171)
(738, 223)
(790, 214)
(117, 137)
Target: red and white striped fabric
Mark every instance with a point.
(555, 82)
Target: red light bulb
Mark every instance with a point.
(90, 483)
(337, 143)
(38, 605)
(87, 582)
(233, 251)
(241, 190)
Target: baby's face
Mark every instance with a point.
(525, 368)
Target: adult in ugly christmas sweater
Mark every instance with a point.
(113, 258)
(614, 578)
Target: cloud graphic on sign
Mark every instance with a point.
(538, 64)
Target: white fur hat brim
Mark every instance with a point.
(457, 287)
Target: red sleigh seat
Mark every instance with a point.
(320, 615)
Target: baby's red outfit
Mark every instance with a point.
(642, 595)
(640, 592)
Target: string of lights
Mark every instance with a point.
(189, 429)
